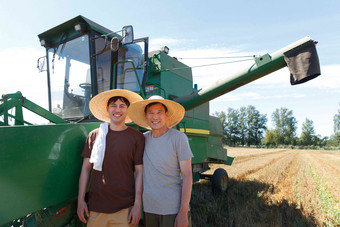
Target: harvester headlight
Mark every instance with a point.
(80, 27)
(165, 49)
(44, 43)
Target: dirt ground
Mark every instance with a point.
(273, 187)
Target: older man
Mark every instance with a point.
(167, 174)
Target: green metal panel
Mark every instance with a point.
(195, 177)
(201, 112)
(173, 76)
(216, 127)
(39, 166)
(198, 141)
(198, 145)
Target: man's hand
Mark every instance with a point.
(182, 219)
(82, 208)
(135, 215)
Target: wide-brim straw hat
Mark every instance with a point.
(98, 103)
(174, 115)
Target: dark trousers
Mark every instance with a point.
(155, 220)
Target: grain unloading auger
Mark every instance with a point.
(40, 164)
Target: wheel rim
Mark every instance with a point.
(224, 182)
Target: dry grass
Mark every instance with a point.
(273, 188)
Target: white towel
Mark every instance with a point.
(98, 150)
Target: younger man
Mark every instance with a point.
(114, 152)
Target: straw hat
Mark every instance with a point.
(175, 111)
(98, 103)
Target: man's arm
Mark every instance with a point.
(136, 211)
(83, 182)
(186, 172)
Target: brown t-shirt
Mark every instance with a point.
(113, 188)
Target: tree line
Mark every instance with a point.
(246, 126)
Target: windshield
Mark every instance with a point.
(70, 73)
(70, 78)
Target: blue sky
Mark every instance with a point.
(194, 29)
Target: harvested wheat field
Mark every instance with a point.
(272, 187)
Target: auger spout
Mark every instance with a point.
(263, 66)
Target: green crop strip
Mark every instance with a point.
(329, 204)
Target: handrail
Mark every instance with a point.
(18, 101)
(134, 69)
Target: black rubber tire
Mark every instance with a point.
(220, 181)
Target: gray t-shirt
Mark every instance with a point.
(162, 180)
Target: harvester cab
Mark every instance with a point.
(84, 59)
(40, 164)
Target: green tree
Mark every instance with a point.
(221, 115)
(285, 126)
(319, 140)
(308, 136)
(336, 137)
(255, 125)
(243, 125)
(270, 139)
(336, 120)
(231, 127)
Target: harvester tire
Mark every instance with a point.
(219, 181)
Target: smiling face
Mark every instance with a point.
(156, 117)
(117, 111)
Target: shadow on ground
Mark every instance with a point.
(242, 205)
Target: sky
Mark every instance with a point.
(194, 29)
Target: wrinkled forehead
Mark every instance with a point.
(156, 104)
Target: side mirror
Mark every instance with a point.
(127, 34)
(41, 64)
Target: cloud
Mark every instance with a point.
(158, 43)
(214, 66)
(247, 96)
(236, 97)
(19, 73)
(329, 78)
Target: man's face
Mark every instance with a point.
(156, 116)
(117, 111)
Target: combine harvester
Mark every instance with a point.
(40, 164)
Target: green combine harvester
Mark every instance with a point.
(40, 164)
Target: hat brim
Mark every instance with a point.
(98, 103)
(175, 112)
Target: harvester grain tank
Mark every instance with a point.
(40, 164)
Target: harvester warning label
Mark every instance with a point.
(151, 89)
(60, 213)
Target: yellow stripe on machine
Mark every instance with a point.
(195, 131)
